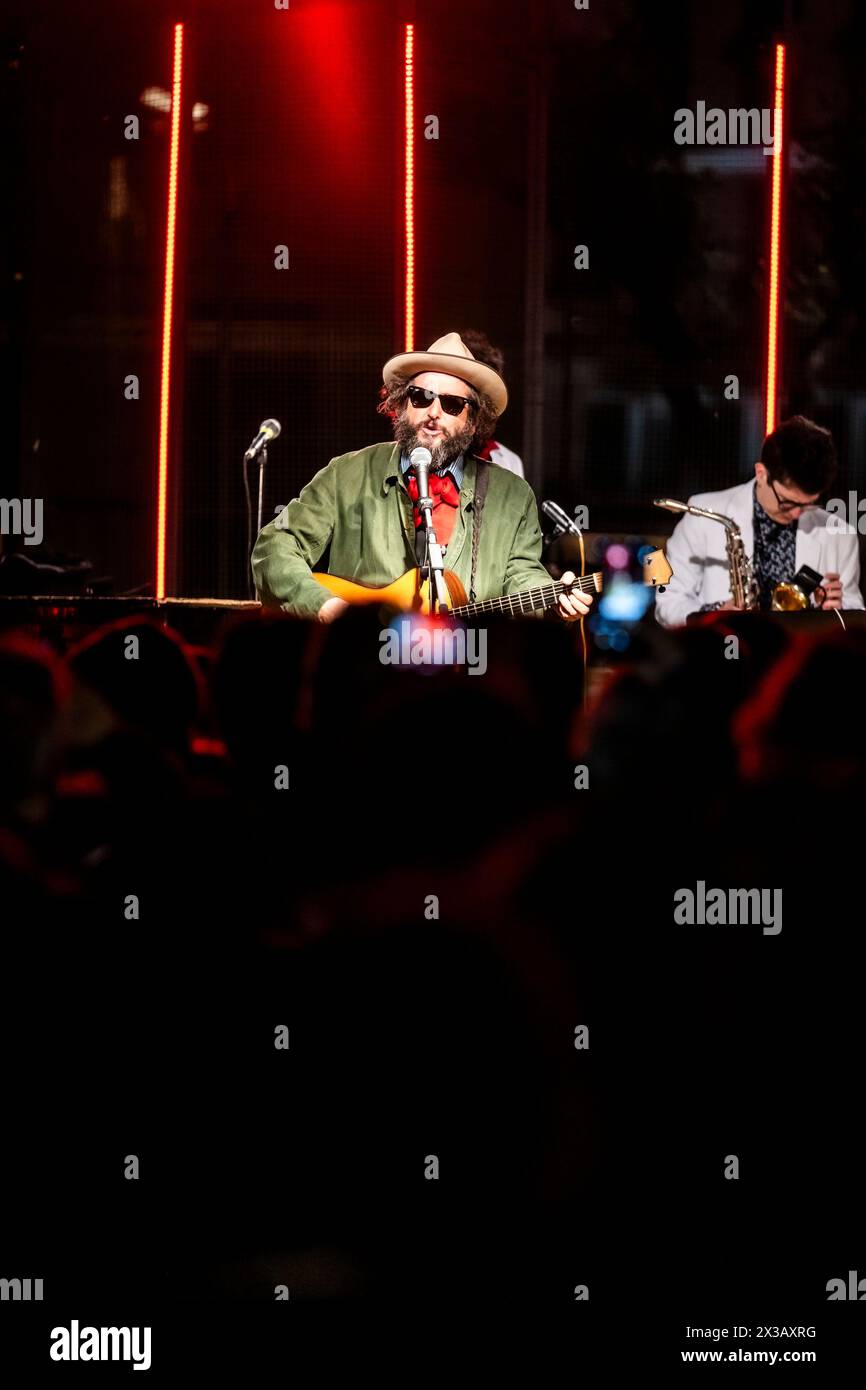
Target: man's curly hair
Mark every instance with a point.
(392, 402)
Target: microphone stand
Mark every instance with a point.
(263, 458)
(433, 550)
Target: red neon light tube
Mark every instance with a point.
(775, 241)
(167, 308)
(409, 195)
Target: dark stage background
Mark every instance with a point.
(556, 129)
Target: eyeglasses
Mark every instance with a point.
(787, 504)
(452, 405)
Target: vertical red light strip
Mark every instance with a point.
(409, 63)
(168, 304)
(775, 239)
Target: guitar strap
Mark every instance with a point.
(482, 478)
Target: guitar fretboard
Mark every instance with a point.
(545, 596)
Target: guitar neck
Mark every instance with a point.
(528, 600)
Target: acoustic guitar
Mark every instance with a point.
(406, 594)
(409, 596)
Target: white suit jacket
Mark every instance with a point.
(696, 553)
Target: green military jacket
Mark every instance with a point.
(357, 509)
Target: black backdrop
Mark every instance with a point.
(555, 129)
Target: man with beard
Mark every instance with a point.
(357, 517)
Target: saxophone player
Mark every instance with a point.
(782, 525)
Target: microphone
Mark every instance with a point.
(421, 460)
(268, 430)
(561, 519)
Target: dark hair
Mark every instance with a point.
(800, 452)
(483, 350)
(392, 401)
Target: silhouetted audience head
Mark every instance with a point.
(145, 675)
(33, 682)
(804, 722)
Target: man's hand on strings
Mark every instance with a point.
(571, 606)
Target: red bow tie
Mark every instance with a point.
(442, 489)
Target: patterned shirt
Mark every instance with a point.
(774, 553)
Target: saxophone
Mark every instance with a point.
(744, 586)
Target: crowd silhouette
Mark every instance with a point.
(407, 869)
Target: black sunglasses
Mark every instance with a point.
(452, 405)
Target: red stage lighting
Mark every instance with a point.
(409, 196)
(168, 303)
(775, 241)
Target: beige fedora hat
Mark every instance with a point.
(449, 354)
